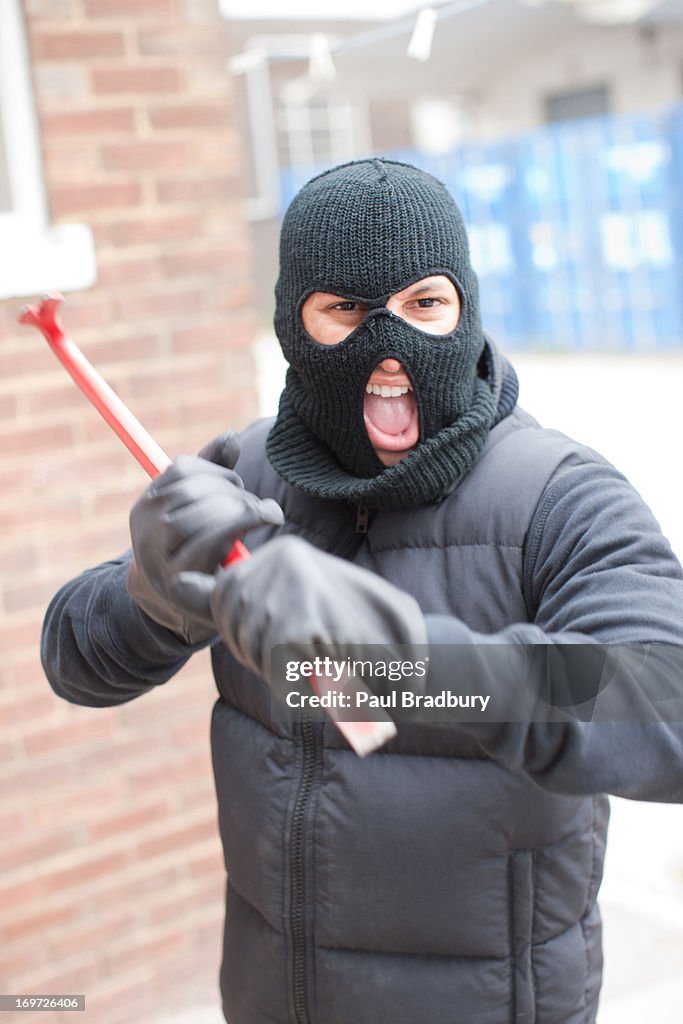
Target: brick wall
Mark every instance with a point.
(110, 868)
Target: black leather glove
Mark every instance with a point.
(189, 518)
(290, 593)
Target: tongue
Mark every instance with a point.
(390, 415)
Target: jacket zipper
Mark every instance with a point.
(298, 846)
(532, 545)
(362, 519)
(297, 915)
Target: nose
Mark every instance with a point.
(390, 365)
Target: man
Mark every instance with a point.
(453, 875)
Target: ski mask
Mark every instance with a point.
(365, 231)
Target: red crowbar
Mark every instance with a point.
(363, 737)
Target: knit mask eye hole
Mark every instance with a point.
(431, 304)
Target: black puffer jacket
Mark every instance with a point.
(452, 876)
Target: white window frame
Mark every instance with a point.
(34, 256)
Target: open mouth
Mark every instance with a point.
(390, 413)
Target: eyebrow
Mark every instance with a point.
(433, 287)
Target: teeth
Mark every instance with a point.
(385, 391)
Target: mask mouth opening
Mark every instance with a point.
(390, 409)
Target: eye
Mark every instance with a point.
(428, 303)
(345, 307)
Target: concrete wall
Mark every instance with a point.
(640, 69)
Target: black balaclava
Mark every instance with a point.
(364, 231)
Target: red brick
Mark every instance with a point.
(25, 710)
(15, 855)
(49, 9)
(52, 516)
(201, 190)
(208, 864)
(158, 419)
(137, 81)
(138, 948)
(81, 45)
(27, 440)
(83, 872)
(20, 894)
(129, 822)
(94, 936)
(15, 960)
(78, 979)
(71, 735)
(20, 558)
(137, 995)
(137, 347)
(40, 778)
(184, 264)
(173, 908)
(65, 506)
(145, 156)
(77, 468)
(200, 339)
(165, 381)
(42, 400)
(20, 636)
(163, 303)
(231, 333)
(28, 677)
(211, 416)
(160, 40)
(151, 228)
(121, 500)
(87, 122)
(13, 821)
(193, 116)
(216, 149)
(138, 890)
(37, 778)
(129, 272)
(37, 924)
(198, 796)
(243, 405)
(80, 804)
(184, 837)
(209, 935)
(124, 755)
(84, 311)
(173, 704)
(79, 549)
(7, 755)
(8, 407)
(235, 298)
(172, 773)
(59, 83)
(16, 476)
(66, 200)
(133, 8)
(29, 360)
(192, 732)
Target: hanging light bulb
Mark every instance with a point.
(420, 45)
(613, 12)
(320, 64)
